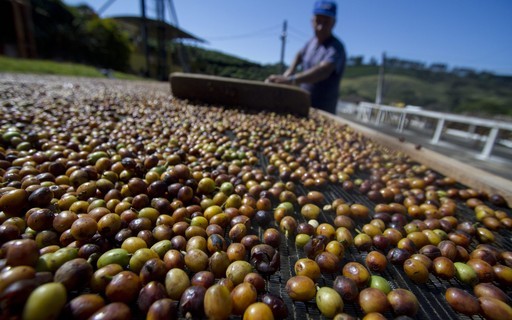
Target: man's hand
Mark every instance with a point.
(278, 78)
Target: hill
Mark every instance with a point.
(483, 95)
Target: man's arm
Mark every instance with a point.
(286, 77)
(293, 66)
(315, 74)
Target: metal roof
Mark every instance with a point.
(171, 31)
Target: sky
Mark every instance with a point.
(474, 34)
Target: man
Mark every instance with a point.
(322, 61)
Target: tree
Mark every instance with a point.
(78, 34)
(107, 46)
(355, 61)
(53, 29)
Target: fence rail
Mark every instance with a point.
(470, 128)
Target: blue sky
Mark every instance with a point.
(460, 33)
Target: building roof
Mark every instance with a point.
(172, 32)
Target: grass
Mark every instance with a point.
(35, 66)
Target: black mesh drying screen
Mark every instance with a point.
(431, 295)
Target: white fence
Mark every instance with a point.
(418, 118)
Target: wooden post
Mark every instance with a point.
(439, 130)
(19, 28)
(283, 45)
(489, 144)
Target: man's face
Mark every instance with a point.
(323, 26)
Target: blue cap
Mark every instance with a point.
(325, 8)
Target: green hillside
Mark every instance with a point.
(484, 95)
(398, 89)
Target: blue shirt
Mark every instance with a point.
(324, 94)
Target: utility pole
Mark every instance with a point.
(145, 36)
(380, 84)
(161, 38)
(283, 45)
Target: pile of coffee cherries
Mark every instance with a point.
(118, 201)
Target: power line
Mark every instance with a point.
(296, 37)
(299, 32)
(260, 36)
(275, 29)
